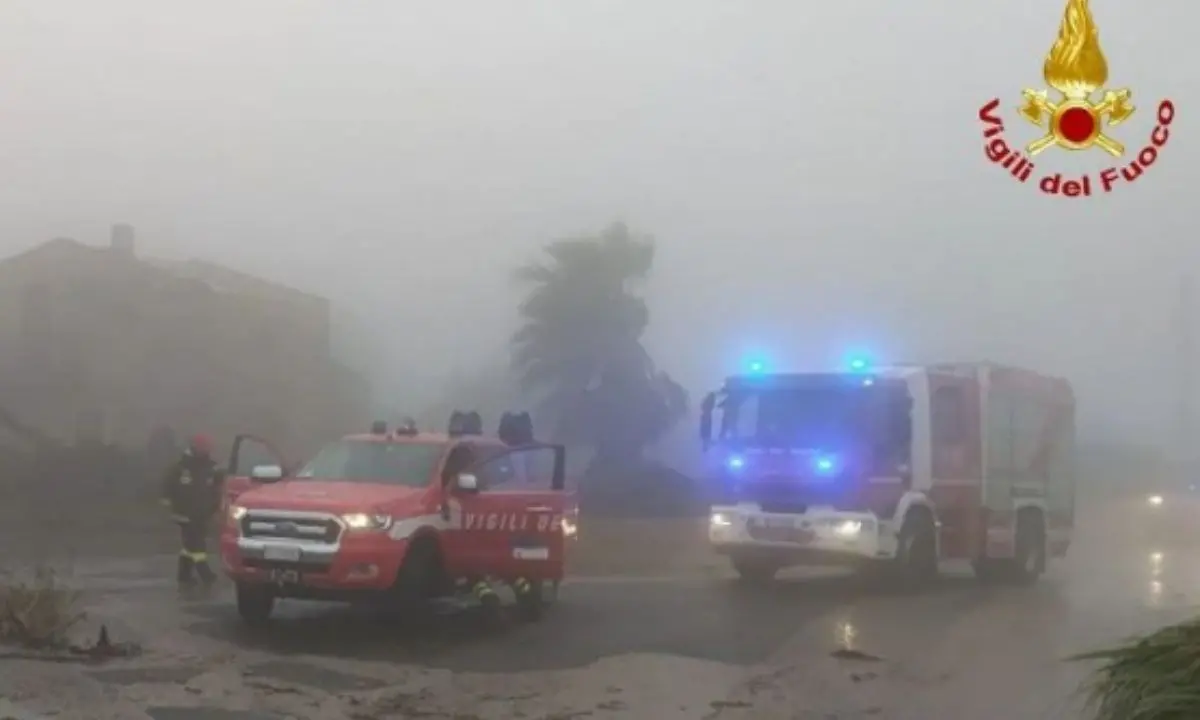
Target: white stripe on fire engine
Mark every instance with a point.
(936, 483)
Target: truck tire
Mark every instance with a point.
(531, 605)
(755, 570)
(916, 549)
(255, 603)
(420, 577)
(1030, 560)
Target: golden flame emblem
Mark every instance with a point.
(1077, 69)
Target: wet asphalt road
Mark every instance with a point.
(706, 619)
(957, 649)
(1118, 577)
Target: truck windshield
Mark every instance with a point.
(409, 464)
(808, 417)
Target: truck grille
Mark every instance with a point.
(304, 566)
(781, 494)
(269, 526)
(784, 506)
(780, 534)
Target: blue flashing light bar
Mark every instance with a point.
(755, 366)
(825, 465)
(857, 362)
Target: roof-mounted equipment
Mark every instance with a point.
(515, 428)
(407, 426)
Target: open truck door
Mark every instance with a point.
(252, 460)
(515, 513)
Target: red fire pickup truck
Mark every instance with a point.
(400, 517)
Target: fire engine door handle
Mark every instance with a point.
(539, 509)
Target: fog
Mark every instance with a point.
(813, 172)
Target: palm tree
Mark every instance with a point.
(579, 349)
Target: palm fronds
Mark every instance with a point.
(1155, 677)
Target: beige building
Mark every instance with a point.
(101, 341)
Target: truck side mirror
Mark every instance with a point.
(266, 473)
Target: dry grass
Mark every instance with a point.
(39, 612)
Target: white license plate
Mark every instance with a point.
(286, 553)
(531, 553)
(777, 522)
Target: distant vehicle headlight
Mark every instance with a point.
(720, 520)
(1155, 500)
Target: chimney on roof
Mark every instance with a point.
(122, 239)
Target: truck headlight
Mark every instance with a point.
(365, 521)
(569, 528)
(236, 512)
(848, 528)
(720, 520)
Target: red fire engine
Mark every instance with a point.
(905, 466)
(396, 516)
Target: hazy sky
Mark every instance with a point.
(813, 171)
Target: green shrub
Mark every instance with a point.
(1155, 677)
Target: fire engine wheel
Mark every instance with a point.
(1030, 560)
(916, 550)
(755, 570)
(255, 603)
(1027, 565)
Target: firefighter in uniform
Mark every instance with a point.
(192, 489)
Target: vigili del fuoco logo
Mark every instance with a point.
(1083, 115)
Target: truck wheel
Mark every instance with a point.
(255, 603)
(755, 570)
(420, 575)
(1030, 560)
(531, 605)
(916, 550)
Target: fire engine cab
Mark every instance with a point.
(398, 516)
(902, 466)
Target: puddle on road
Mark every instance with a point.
(312, 676)
(199, 713)
(138, 676)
